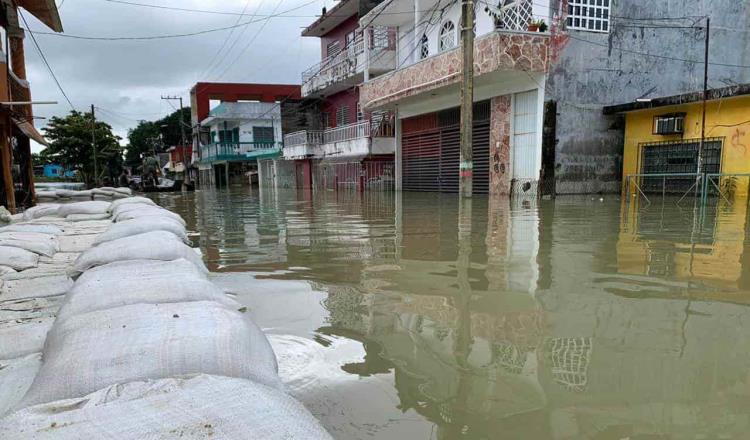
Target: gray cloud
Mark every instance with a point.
(127, 78)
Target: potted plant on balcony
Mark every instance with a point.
(537, 26)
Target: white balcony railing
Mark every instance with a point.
(381, 126)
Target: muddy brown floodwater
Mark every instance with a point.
(403, 316)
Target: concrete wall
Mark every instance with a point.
(585, 76)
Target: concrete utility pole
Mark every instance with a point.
(182, 134)
(705, 98)
(466, 164)
(93, 145)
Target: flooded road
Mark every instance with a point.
(409, 316)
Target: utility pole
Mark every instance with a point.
(466, 164)
(182, 134)
(705, 98)
(93, 145)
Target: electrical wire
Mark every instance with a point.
(211, 66)
(46, 63)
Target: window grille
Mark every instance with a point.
(588, 15)
(512, 14)
(447, 36)
(342, 116)
(424, 47)
(333, 48)
(669, 124)
(263, 134)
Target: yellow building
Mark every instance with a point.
(663, 135)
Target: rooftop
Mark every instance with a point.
(685, 98)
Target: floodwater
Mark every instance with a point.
(409, 316)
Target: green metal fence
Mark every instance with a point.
(234, 151)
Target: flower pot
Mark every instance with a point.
(533, 28)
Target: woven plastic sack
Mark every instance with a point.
(107, 292)
(124, 190)
(147, 224)
(156, 245)
(131, 200)
(46, 246)
(21, 339)
(17, 258)
(64, 193)
(88, 352)
(200, 407)
(83, 208)
(50, 195)
(42, 210)
(147, 212)
(141, 269)
(30, 227)
(16, 376)
(85, 217)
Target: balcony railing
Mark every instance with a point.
(350, 60)
(233, 150)
(377, 127)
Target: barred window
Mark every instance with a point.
(447, 36)
(342, 115)
(424, 47)
(588, 15)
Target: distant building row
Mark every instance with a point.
(380, 109)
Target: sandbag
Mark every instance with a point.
(47, 194)
(148, 212)
(16, 376)
(199, 407)
(141, 269)
(24, 338)
(47, 247)
(64, 193)
(5, 215)
(17, 258)
(84, 217)
(40, 286)
(156, 245)
(134, 227)
(130, 200)
(124, 190)
(88, 352)
(43, 210)
(83, 208)
(107, 293)
(30, 227)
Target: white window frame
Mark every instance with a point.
(447, 36)
(589, 15)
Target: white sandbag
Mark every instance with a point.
(5, 270)
(107, 294)
(82, 193)
(36, 287)
(148, 212)
(94, 350)
(46, 247)
(129, 200)
(119, 195)
(102, 192)
(24, 338)
(16, 376)
(200, 407)
(117, 210)
(5, 215)
(108, 273)
(31, 227)
(46, 194)
(124, 190)
(64, 193)
(134, 227)
(83, 208)
(84, 217)
(45, 209)
(17, 258)
(155, 245)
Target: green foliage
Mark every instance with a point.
(158, 135)
(70, 145)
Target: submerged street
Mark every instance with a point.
(578, 317)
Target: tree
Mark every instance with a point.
(157, 135)
(70, 145)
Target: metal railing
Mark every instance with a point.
(233, 150)
(383, 127)
(303, 137)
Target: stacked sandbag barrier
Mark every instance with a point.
(49, 195)
(144, 345)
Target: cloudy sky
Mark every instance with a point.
(126, 78)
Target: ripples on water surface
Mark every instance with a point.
(566, 319)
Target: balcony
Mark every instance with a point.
(373, 50)
(237, 151)
(358, 139)
(495, 54)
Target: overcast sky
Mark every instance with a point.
(127, 78)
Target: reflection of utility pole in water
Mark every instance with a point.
(463, 339)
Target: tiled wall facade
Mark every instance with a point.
(496, 51)
(500, 172)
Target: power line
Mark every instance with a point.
(46, 63)
(167, 36)
(210, 65)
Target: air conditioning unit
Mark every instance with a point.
(669, 124)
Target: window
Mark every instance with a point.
(669, 124)
(588, 15)
(333, 48)
(342, 116)
(447, 36)
(424, 47)
(326, 119)
(677, 157)
(263, 134)
(360, 113)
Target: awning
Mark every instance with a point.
(28, 129)
(269, 153)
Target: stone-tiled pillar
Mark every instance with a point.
(500, 172)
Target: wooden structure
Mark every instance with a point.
(16, 120)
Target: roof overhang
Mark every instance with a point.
(685, 98)
(337, 15)
(28, 129)
(45, 11)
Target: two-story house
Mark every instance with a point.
(424, 88)
(347, 147)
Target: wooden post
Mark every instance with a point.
(6, 162)
(466, 163)
(18, 65)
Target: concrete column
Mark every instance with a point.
(366, 36)
(6, 160)
(500, 129)
(17, 57)
(397, 157)
(226, 173)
